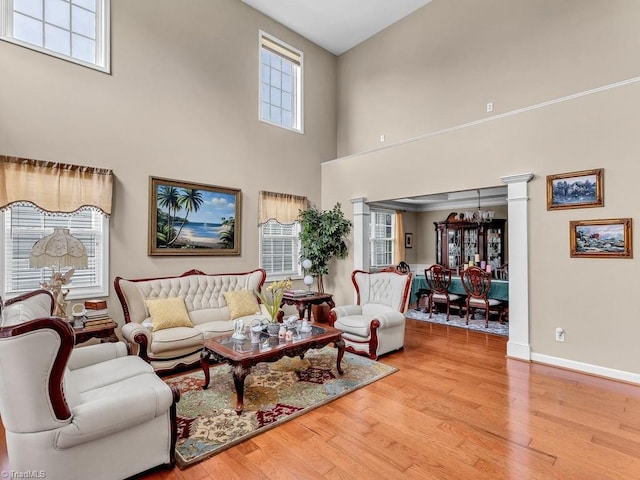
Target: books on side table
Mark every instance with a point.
(96, 313)
(97, 323)
(298, 293)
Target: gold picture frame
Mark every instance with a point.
(188, 218)
(582, 189)
(610, 238)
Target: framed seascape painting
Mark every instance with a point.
(187, 218)
(575, 189)
(601, 238)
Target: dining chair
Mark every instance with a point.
(439, 280)
(502, 272)
(403, 267)
(477, 283)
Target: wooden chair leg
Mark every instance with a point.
(468, 311)
(373, 342)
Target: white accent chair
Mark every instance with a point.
(375, 324)
(77, 413)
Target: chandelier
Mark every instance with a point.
(479, 216)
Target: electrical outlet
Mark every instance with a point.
(559, 334)
(382, 138)
(490, 107)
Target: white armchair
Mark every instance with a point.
(75, 413)
(375, 324)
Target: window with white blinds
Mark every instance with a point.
(24, 225)
(382, 230)
(280, 249)
(74, 30)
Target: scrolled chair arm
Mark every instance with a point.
(92, 354)
(343, 311)
(390, 319)
(95, 419)
(135, 333)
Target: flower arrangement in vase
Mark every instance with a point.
(272, 297)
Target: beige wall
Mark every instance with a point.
(437, 69)
(181, 103)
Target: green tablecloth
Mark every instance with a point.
(499, 288)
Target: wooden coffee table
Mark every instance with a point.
(242, 355)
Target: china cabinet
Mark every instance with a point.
(458, 242)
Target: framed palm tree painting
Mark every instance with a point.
(187, 218)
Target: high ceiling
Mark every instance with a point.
(336, 25)
(339, 25)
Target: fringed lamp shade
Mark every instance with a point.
(56, 251)
(59, 250)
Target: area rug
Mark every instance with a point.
(477, 323)
(274, 393)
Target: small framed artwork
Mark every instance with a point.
(187, 218)
(408, 240)
(575, 189)
(601, 238)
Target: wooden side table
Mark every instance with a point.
(303, 303)
(106, 332)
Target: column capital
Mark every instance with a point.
(519, 178)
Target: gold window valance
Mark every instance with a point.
(54, 187)
(281, 207)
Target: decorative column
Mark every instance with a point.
(361, 217)
(517, 199)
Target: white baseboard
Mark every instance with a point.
(587, 368)
(521, 351)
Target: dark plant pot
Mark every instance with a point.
(320, 313)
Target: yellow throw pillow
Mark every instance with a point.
(241, 303)
(168, 313)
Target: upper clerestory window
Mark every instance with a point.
(73, 30)
(280, 83)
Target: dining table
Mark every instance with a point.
(499, 288)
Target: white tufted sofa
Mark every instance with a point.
(203, 294)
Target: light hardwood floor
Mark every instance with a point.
(456, 409)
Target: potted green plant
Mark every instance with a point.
(323, 235)
(271, 299)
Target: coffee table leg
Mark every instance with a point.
(239, 374)
(204, 363)
(340, 346)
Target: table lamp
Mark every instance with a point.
(57, 251)
(308, 279)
